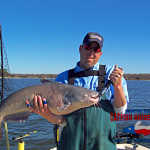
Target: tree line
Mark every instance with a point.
(126, 76)
(34, 75)
(140, 76)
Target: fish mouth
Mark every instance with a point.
(93, 99)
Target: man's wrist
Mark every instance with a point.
(115, 85)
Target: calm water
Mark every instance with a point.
(43, 140)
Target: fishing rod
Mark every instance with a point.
(107, 85)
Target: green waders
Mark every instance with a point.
(89, 129)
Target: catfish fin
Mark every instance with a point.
(61, 108)
(66, 104)
(17, 118)
(45, 80)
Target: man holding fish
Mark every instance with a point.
(89, 128)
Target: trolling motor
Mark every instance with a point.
(21, 143)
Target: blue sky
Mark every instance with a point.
(43, 36)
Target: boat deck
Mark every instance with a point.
(123, 147)
(130, 147)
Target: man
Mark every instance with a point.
(90, 128)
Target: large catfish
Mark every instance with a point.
(61, 99)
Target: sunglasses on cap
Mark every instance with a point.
(89, 47)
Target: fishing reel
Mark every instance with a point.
(21, 142)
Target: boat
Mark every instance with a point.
(131, 147)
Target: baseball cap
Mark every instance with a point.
(93, 36)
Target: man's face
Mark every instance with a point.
(88, 58)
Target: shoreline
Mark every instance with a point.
(55, 78)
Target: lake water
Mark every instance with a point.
(43, 140)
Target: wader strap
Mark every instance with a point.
(101, 76)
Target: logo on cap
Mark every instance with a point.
(94, 36)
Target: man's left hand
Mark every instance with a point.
(116, 76)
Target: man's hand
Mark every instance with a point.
(40, 107)
(116, 76)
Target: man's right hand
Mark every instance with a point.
(40, 107)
